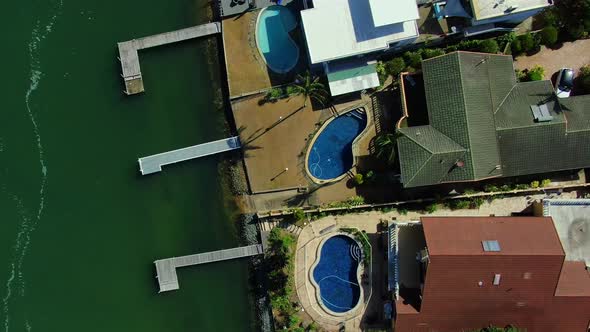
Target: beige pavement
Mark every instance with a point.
(572, 55)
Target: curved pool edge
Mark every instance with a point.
(354, 143)
(318, 295)
(278, 71)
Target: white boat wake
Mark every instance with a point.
(29, 222)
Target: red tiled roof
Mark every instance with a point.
(515, 235)
(574, 280)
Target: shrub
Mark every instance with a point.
(292, 90)
(298, 214)
(395, 66)
(432, 208)
(489, 46)
(545, 183)
(585, 77)
(505, 187)
(459, 204)
(477, 202)
(413, 59)
(536, 73)
(355, 200)
(535, 184)
(527, 41)
(358, 179)
(505, 39)
(550, 18)
(521, 75)
(274, 94)
(549, 35)
(403, 212)
(381, 72)
(432, 52)
(516, 47)
(490, 188)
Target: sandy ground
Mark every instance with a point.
(572, 55)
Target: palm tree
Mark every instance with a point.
(385, 147)
(309, 87)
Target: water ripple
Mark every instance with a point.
(27, 225)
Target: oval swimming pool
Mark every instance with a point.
(272, 36)
(331, 153)
(336, 273)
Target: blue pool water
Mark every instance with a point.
(272, 35)
(336, 273)
(331, 153)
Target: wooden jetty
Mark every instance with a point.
(130, 59)
(154, 163)
(166, 268)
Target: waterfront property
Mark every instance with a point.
(330, 154)
(514, 268)
(343, 37)
(129, 57)
(480, 123)
(166, 268)
(152, 164)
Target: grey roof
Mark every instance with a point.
(473, 100)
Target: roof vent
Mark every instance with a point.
(541, 113)
(491, 245)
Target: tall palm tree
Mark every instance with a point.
(309, 86)
(385, 147)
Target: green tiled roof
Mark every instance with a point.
(480, 115)
(352, 72)
(431, 155)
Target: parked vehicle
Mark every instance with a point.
(564, 82)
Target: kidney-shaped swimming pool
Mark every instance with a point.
(331, 153)
(336, 273)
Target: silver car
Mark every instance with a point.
(564, 82)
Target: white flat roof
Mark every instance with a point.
(386, 12)
(336, 29)
(571, 218)
(483, 9)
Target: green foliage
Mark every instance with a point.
(299, 214)
(309, 86)
(359, 179)
(385, 147)
(476, 202)
(550, 17)
(505, 39)
(274, 94)
(355, 201)
(490, 188)
(312, 327)
(279, 256)
(403, 212)
(381, 72)
(537, 73)
(505, 187)
(395, 66)
(545, 183)
(522, 186)
(499, 329)
(459, 204)
(516, 47)
(521, 75)
(413, 59)
(535, 184)
(432, 208)
(428, 53)
(370, 176)
(549, 35)
(469, 192)
(585, 77)
(291, 90)
(489, 46)
(527, 41)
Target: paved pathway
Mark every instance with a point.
(573, 55)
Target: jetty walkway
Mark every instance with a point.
(166, 268)
(130, 59)
(154, 163)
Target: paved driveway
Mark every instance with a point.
(573, 55)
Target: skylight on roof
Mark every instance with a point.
(491, 245)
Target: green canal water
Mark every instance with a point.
(79, 227)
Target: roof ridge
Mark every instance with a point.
(503, 100)
(468, 150)
(432, 152)
(416, 142)
(419, 169)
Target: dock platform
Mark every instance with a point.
(166, 268)
(129, 57)
(154, 163)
